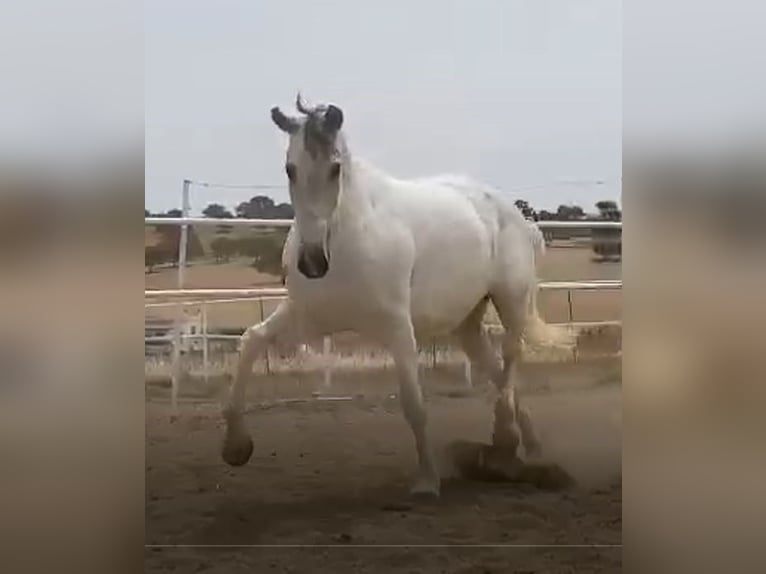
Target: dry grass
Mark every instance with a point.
(365, 361)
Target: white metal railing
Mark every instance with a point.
(281, 292)
(277, 293)
(216, 221)
(288, 222)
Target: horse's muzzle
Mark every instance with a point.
(312, 261)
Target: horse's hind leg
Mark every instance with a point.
(512, 306)
(237, 445)
(483, 361)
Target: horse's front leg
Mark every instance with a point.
(237, 444)
(473, 376)
(400, 342)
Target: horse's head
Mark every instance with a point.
(314, 168)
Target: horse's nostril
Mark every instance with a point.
(312, 262)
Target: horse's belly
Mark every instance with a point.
(447, 288)
(442, 313)
(323, 308)
(341, 302)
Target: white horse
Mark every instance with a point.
(472, 372)
(395, 261)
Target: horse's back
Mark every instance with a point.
(459, 209)
(458, 226)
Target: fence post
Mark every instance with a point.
(326, 350)
(177, 367)
(182, 242)
(266, 350)
(205, 349)
(571, 320)
(175, 374)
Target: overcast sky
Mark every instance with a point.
(523, 95)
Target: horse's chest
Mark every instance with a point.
(330, 303)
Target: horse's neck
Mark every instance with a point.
(360, 183)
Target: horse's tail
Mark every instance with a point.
(538, 241)
(539, 333)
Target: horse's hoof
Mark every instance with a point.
(533, 452)
(426, 488)
(237, 453)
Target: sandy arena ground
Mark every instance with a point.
(332, 478)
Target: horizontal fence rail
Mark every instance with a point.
(276, 292)
(495, 327)
(596, 224)
(198, 302)
(281, 292)
(186, 336)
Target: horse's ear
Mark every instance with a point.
(333, 118)
(284, 123)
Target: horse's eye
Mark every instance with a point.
(334, 171)
(291, 171)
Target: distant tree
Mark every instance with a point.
(165, 251)
(263, 207)
(607, 243)
(194, 248)
(546, 215)
(283, 211)
(223, 249)
(147, 213)
(608, 210)
(170, 213)
(269, 258)
(265, 250)
(217, 211)
(527, 211)
(569, 212)
(255, 208)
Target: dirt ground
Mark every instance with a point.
(327, 487)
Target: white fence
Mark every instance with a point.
(241, 222)
(207, 297)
